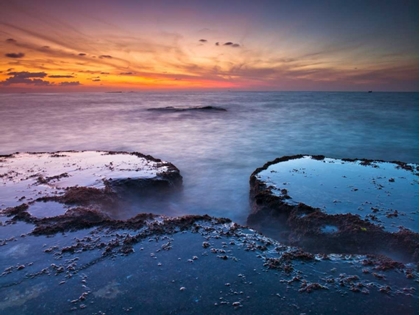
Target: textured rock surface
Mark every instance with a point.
(337, 205)
(62, 253)
(188, 265)
(98, 179)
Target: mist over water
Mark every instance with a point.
(215, 151)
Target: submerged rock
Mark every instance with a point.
(158, 265)
(182, 109)
(339, 205)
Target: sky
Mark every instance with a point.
(264, 45)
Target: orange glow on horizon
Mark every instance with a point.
(54, 46)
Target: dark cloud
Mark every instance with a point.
(82, 54)
(25, 77)
(96, 80)
(105, 56)
(126, 73)
(26, 74)
(203, 40)
(230, 44)
(16, 79)
(60, 76)
(15, 55)
(70, 83)
(104, 72)
(45, 47)
(36, 78)
(11, 41)
(10, 69)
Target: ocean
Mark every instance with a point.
(216, 151)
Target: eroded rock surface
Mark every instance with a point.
(101, 180)
(75, 258)
(192, 264)
(338, 205)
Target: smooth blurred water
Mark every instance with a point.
(216, 151)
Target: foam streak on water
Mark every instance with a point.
(216, 151)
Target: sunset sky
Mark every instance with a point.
(109, 45)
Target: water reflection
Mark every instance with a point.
(216, 151)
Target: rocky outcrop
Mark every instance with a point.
(182, 109)
(100, 179)
(82, 260)
(338, 205)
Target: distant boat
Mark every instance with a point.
(369, 91)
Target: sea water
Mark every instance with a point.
(216, 151)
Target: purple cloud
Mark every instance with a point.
(70, 83)
(26, 74)
(25, 77)
(15, 55)
(203, 40)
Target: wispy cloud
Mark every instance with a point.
(70, 83)
(127, 55)
(61, 76)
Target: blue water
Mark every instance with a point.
(216, 151)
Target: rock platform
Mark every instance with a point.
(62, 253)
(339, 205)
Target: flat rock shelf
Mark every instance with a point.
(339, 205)
(187, 265)
(63, 253)
(50, 183)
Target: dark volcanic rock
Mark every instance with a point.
(341, 206)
